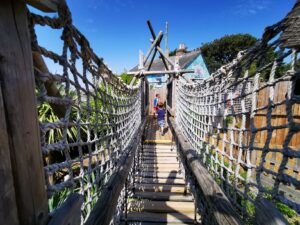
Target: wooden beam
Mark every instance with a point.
(8, 203)
(44, 5)
(223, 211)
(50, 86)
(171, 111)
(267, 214)
(155, 42)
(141, 60)
(69, 212)
(165, 56)
(161, 72)
(154, 37)
(152, 59)
(18, 89)
(132, 81)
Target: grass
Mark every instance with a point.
(58, 198)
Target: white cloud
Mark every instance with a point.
(115, 5)
(250, 7)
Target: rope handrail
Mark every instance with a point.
(230, 119)
(101, 115)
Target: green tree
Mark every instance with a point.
(224, 50)
(126, 78)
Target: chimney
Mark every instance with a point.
(181, 49)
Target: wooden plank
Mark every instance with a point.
(160, 154)
(18, 88)
(223, 210)
(179, 218)
(159, 141)
(175, 166)
(8, 204)
(162, 188)
(160, 161)
(160, 175)
(69, 212)
(162, 180)
(268, 214)
(157, 151)
(44, 5)
(158, 170)
(159, 146)
(161, 206)
(164, 196)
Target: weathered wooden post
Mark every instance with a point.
(20, 139)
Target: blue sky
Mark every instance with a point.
(117, 29)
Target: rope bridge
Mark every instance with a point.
(220, 119)
(241, 125)
(99, 114)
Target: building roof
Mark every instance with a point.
(184, 61)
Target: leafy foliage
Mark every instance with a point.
(126, 78)
(173, 52)
(224, 50)
(47, 115)
(58, 198)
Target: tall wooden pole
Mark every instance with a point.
(19, 103)
(154, 37)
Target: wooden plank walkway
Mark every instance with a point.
(153, 135)
(161, 195)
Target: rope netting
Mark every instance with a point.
(88, 116)
(244, 121)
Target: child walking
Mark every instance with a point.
(161, 117)
(155, 102)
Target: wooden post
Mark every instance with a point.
(18, 89)
(8, 204)
(141, 60)
(154, 37)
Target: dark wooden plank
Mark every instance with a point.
(161, 206)
(223, 210)
(268, 214)
(69, 212)
(164, 196)
(44, 5)
(18, 88)
(8, 204)
(162, 218)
